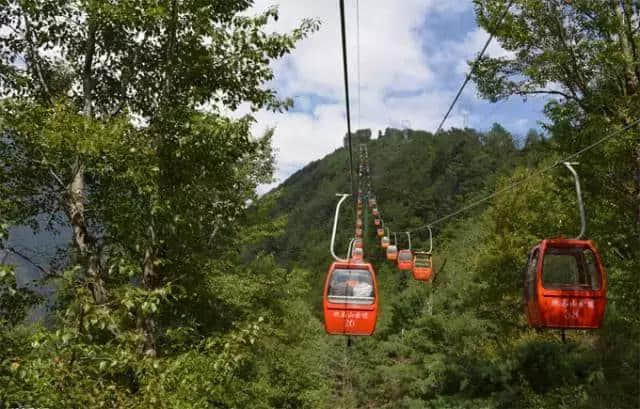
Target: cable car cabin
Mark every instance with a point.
(357, 254)
(375, 212)
(376, 222)
(565, 285)
(380, 232)
(358, 232)
(359, 212)
(392, 252)
(405, 260)
(372, 203)
(358, 243)
(359, 223)
(422, 266)
(384, 242)
(350, 299)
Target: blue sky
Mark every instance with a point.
(413, 58)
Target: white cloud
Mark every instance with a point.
(390, 45)
(459, 53)
(300, 137)
(398, 77)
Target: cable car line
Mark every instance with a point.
(555, 296)
(345, 67)
(474, 66)
(418, 262)
(526, 178)
(350, 295)
(422, 260)
(358, 50)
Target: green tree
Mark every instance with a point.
(586, 54)
(112, 123)
(113, 108)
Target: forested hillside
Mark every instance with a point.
(175, 285)
(418, 178)
(462, 340)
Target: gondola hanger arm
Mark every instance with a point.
(335, 226)
(583, 217)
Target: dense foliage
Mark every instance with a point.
(180, 288)
(111, 125)
(463, 340)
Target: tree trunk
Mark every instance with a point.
(81, 237)
(146, 322)
(637, 160)
(631, 70)
(87, 70)
(631, 81)
(632, 20)
(83, 240)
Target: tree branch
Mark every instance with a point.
(550, 92)
(628, 16)
(57, 178)
(34, 59)
(28, 259)
(87, 77)
(173, 28)
(126, 78)
(581, 82)
(579, 101)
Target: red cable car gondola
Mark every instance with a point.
(405, 260)
(565, 285)
(565, 282)
(350, 296)
(423, 262)
(357, 254)
(384, 240)
(422, 266)
(405, 256)
(392, 249)
(392, 252)
(350, 299)
(376, 222)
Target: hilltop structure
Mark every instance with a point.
(359, 136)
